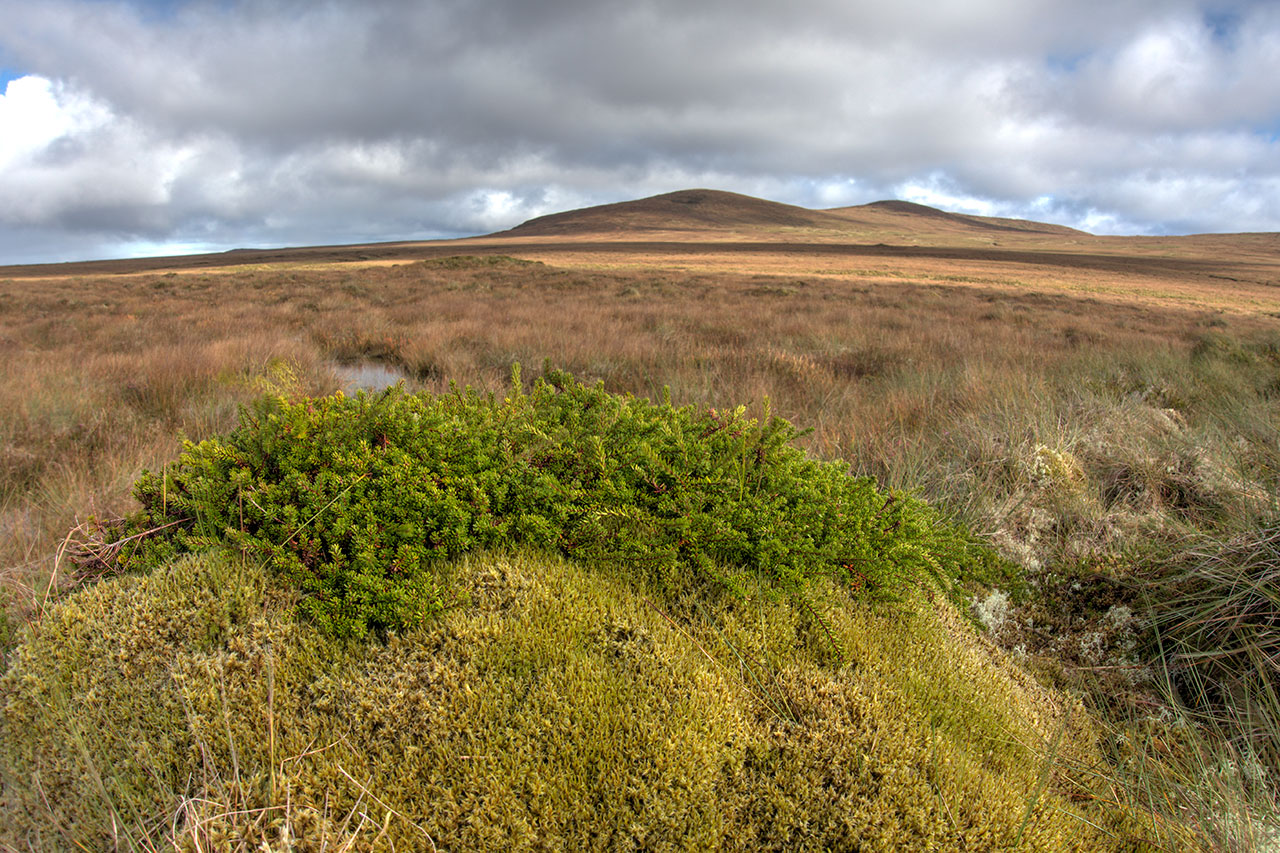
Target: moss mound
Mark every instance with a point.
(562, 709)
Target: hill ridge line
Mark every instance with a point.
(701, 209)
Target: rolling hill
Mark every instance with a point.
(685, 210)
(719, 231)
(910, 213)
(705, 210)
(685, 216)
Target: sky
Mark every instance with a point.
(142, 127)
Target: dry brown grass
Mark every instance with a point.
(708, 231)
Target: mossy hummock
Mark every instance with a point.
(193, 708)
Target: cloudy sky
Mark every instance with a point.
(161, 126)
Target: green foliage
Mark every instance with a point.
(7, 631)
(467, 262)
(362, 503)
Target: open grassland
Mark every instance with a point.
(1110, 427)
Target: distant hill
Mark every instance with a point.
(905, 209)
(685, 210)
(699, 220)
(712, 210)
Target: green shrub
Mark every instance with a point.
(362, 503)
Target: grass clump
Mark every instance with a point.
(1215, 630)
(361, 503)
(1212, 607)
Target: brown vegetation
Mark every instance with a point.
(710, 231)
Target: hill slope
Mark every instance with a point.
(697, 209)
(706, 210)
(911, 214)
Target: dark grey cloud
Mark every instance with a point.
(260, 122)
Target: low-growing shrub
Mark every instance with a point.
(361, 502)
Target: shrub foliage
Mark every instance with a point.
(363, 502)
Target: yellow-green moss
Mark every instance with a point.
(559, 708)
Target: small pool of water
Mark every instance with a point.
(366, 376)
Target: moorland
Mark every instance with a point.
(1091, 423)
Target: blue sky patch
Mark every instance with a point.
(7, 74)
(1223, 26)
(1066, 63)
(160, 10)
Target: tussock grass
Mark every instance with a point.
(1217, 639)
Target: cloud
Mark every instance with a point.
(261, 122)
(34, 115)
(68, 160)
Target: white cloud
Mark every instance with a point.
(275, 121)
(937, 192)
(34, 113)
(67, 158)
